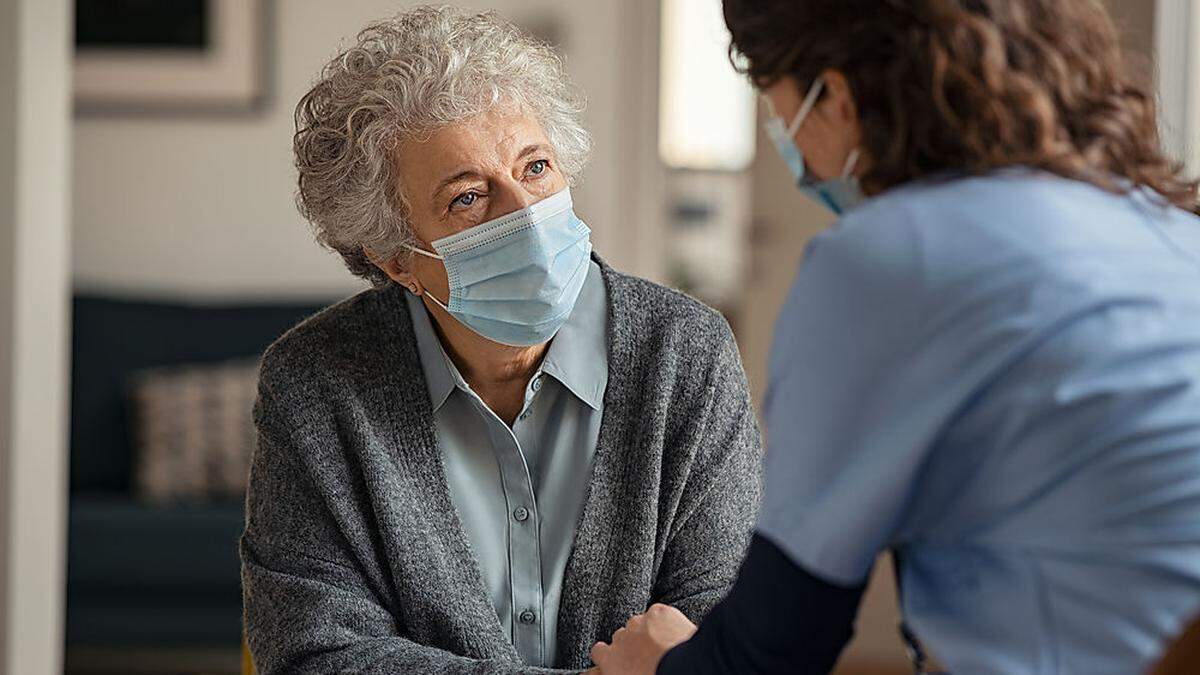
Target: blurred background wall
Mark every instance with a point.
(203, 206)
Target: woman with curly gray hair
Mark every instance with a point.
(504, 449)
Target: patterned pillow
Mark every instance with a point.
(194, 430)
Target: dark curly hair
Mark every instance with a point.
(970, 86)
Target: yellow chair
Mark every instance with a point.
(247, 661)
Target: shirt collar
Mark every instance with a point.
(577, 357)
(439, 377)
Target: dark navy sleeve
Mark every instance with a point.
(778, 618)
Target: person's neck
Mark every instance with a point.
(496, 372)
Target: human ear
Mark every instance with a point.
(838, 97)
(395, 272)
(840, 103)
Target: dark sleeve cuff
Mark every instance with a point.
(777, 618)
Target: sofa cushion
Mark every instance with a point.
(195, 430)
(112, 338)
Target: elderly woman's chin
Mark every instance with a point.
(504, 448)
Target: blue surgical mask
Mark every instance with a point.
(515, 279)
(838, 194)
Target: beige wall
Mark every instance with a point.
(205, 206)
(1135, 19)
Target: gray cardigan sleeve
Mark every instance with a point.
(719, 501)
(309, 606)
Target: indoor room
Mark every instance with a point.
(240, 431)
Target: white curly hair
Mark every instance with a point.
(403, 78)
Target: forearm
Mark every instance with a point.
(388, 656)
(398, 655)
(703, 557)
(308, 625)
(778, 618)
(718, 507)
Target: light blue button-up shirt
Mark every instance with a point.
(519, 491)
(999, 377)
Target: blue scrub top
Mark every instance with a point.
(999, 378)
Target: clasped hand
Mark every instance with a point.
(637, 648)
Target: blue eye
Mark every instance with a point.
(465, 199)
(539, 167)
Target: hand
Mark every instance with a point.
(638, 647)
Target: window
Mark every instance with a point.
(706, 109)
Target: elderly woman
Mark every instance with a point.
(504, 449)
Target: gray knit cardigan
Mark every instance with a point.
(353, 557)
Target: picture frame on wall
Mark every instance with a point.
(182, 57)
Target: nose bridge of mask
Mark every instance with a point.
(496, 228)
(493, 230)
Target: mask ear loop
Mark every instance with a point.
(423, 252)
(810, 102)
(851, 162)
(434, 256)
(437, 302)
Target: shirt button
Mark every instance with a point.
(537, 383)
(527, 617)
(521, 514)
(524, 415)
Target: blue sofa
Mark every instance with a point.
(140, 574)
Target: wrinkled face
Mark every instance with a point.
(469, 173)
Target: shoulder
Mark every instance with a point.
(1011, 210)
(1007, 190)
(671, 353)
(664, 318)
(331, 340)
(919, 258)
(931, 236)
(930, 219)
(677, 357)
